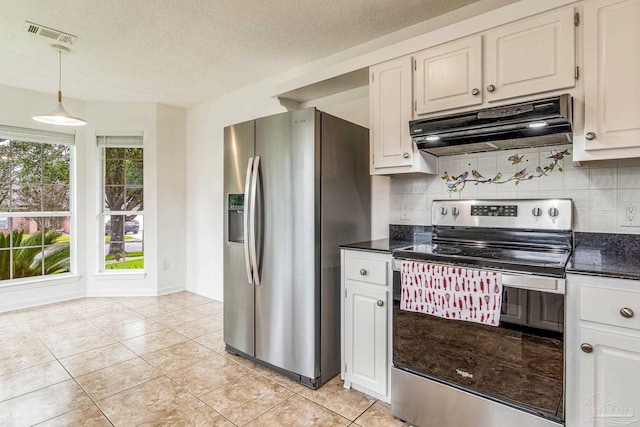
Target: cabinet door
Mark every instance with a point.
(609, 378)
(611, 75)
(390, 97)
(531, 56)
(366, 337)
(448, 76)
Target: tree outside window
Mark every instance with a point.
(123, 203)
(34, 207)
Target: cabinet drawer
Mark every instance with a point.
(606, 306)
(366, 270)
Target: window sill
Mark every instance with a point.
(59, 279)
(120, 275)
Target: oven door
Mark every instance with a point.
(519, 363)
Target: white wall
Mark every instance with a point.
(172, 200)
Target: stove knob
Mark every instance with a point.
(443, 211)
(455, 211)
(554, 212)
(536, 211)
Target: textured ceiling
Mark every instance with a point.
(183, 52)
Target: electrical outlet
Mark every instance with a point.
(405, 211)
(630, 215)
(165, 265)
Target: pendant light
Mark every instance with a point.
(60, 116)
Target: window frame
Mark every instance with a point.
(116, 139)
(45, 137)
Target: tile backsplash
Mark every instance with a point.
(601, 190)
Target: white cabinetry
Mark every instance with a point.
(531, 56)
(525, 58)
(366, 321)
(612, 86)
(603, 352)
(392, 150)
(448, 76)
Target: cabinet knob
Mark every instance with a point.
(586, 347)
(380, 303)
(363, 272)
(475, 91)
(405, 155)
(491, 88)
(626, 312)
(590, 136)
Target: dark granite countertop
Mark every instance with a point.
(595, 254)
(607, 255)
(400, 236)
(379, 245)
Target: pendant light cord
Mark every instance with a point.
(59, 76)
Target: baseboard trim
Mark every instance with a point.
(49, 299)
(172, 289)
(205, 293)
(122, 293)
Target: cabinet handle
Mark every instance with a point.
(586, 347)
(475, 91)
(590, 136)
(405, 155)
(491, 88)
(363, 272)
(380, 303)
(626, 313)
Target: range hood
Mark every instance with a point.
(527, 124)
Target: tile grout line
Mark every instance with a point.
(71, 376)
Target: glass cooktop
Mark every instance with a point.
(540, 261)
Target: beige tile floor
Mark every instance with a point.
(152, 361)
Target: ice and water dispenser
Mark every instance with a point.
(235, 218)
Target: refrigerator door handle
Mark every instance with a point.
(252, 221)
(247, 212)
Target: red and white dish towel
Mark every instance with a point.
(452, 292)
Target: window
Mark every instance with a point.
(35, 202)
(122, 201)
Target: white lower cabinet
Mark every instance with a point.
(603, 352)
(366, 321)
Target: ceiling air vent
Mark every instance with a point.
(49, 33)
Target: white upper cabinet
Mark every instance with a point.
(531, 56)
(612, 80)
(392, 150)
(448, 76)
(525, 58)
(390, 95)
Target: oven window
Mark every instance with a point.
(521, 362)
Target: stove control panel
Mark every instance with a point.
(535, 214)
(494, 210)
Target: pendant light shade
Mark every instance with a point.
(60, 116)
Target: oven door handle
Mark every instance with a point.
(553, 285)
(535, 283)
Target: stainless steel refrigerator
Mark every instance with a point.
(297, 186)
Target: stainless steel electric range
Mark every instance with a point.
(461, 373)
